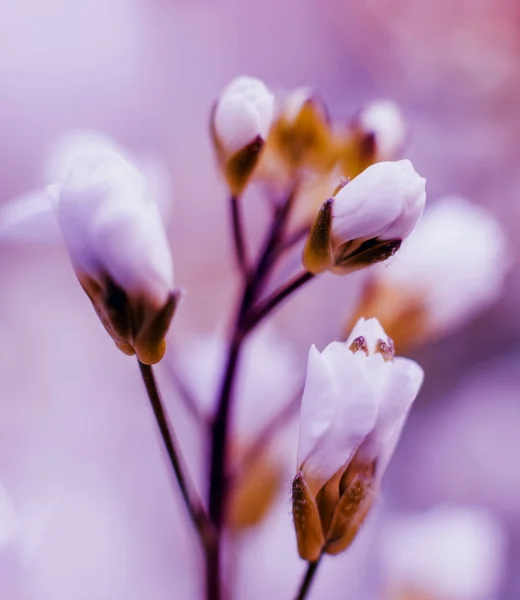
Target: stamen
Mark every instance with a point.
(386, 349)
(359, 343)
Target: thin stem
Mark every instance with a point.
(219, 477)
(221, 422)
(220, 434)
(213, 583)
(238, 237)
(278, 297)
(306, 583)
(274, 241)
(193, 504)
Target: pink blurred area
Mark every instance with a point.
(96, 516)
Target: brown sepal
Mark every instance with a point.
(240, 166)
(317, 254)
(309, 533)
(149, 342)
(368, 253)
(353, 506)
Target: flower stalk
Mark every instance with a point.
(193, 504)
(244, 324)
(310, 574)
(239, 237)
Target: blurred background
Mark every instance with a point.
(85, 503)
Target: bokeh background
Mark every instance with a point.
(88, 509)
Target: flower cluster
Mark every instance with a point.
(343, 199)
(364, 221)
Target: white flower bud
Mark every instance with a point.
(30, 218)
(449, 551)
(118, 248)
(384, 202)
(367, 219)
(384, 121)
(240, 122)
(356, 399)
(352, 389)
(243, 113)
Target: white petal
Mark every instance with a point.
(111, 226)
(243, 112)
(73, 146)
(317, 409)
(132, 247)
(401, 389)
(385, 201)
(339, 408)
(31, 218)
(160, 185)
(82, 145)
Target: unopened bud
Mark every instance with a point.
(355, 402)
(240, 123)
(366, 221)
(301, 135)
(119, 250)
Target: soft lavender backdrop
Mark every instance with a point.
(90, 500)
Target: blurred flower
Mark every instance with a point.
(301, 136)
(31, 218)
(377, 133)
(367, 219)
(355, 403)
(446, 553)
(383, 121)
(240, 123)
(118, 248)
(449, 269)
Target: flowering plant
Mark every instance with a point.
(340, 202)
